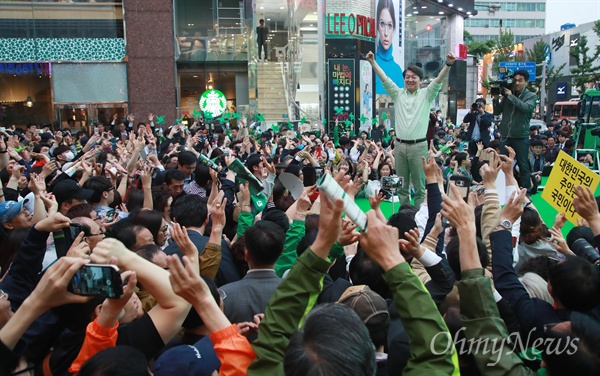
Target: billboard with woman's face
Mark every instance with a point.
(389, 53)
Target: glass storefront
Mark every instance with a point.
(193, 81)
(61, 61)
(216, 31)
(426, 46)
(80, 116)
(213, 43)
(26, 93)
(58, 94)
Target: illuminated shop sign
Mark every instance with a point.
(213, 101)
(21, 69)
(341, 24)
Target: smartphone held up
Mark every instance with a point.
(97, 280)
(463, 184)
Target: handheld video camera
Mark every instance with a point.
(497, 87)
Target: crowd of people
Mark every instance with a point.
(229, 267)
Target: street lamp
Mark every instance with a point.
(493, 9)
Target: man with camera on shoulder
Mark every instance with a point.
(516, 106)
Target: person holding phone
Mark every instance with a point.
(411, 113)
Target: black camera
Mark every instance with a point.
(497, 87)
(584, 249)
(475, 107)
(595, 132)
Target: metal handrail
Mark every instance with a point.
(290, 85)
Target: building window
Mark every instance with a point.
(512, 7)
(482, 6)
(512, 23)
(45, 19)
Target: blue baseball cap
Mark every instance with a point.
(10, 209)
(197, 360)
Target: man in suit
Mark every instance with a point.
(262, 33)
(551, 149)
(479, 123)
(562, 140)
(537, 161)
(191, 211)
(249, 296)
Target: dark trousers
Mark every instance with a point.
(521, 147)
(262, 46)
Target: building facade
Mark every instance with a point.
(69, 63)
(525, 18)
(561, 43)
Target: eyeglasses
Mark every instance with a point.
(386, 26)
(110, 189)
(222, 294)
(101, 233)
(165, 228)
(3, 295)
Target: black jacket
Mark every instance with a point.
(485, 121)
(532, 313)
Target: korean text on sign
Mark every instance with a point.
(567, 173)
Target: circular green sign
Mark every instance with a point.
(213, 101)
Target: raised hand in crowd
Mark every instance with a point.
(587, 207)
(348, 235)
(51, 291)
(79, 248)
(182, 239)
(380, 241)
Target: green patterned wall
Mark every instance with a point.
(62, 49)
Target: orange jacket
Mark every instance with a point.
(233, 350)
(97, 338)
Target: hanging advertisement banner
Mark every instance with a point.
(341, 88)
(389, 53)
(366, 96)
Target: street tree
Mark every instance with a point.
(478, 49)
(538, 55)
(504, 49)
(586, 70)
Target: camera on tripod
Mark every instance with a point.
(497, 87)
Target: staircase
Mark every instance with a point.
(272, 101)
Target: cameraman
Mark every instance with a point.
(516, 109)
(479, 123)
